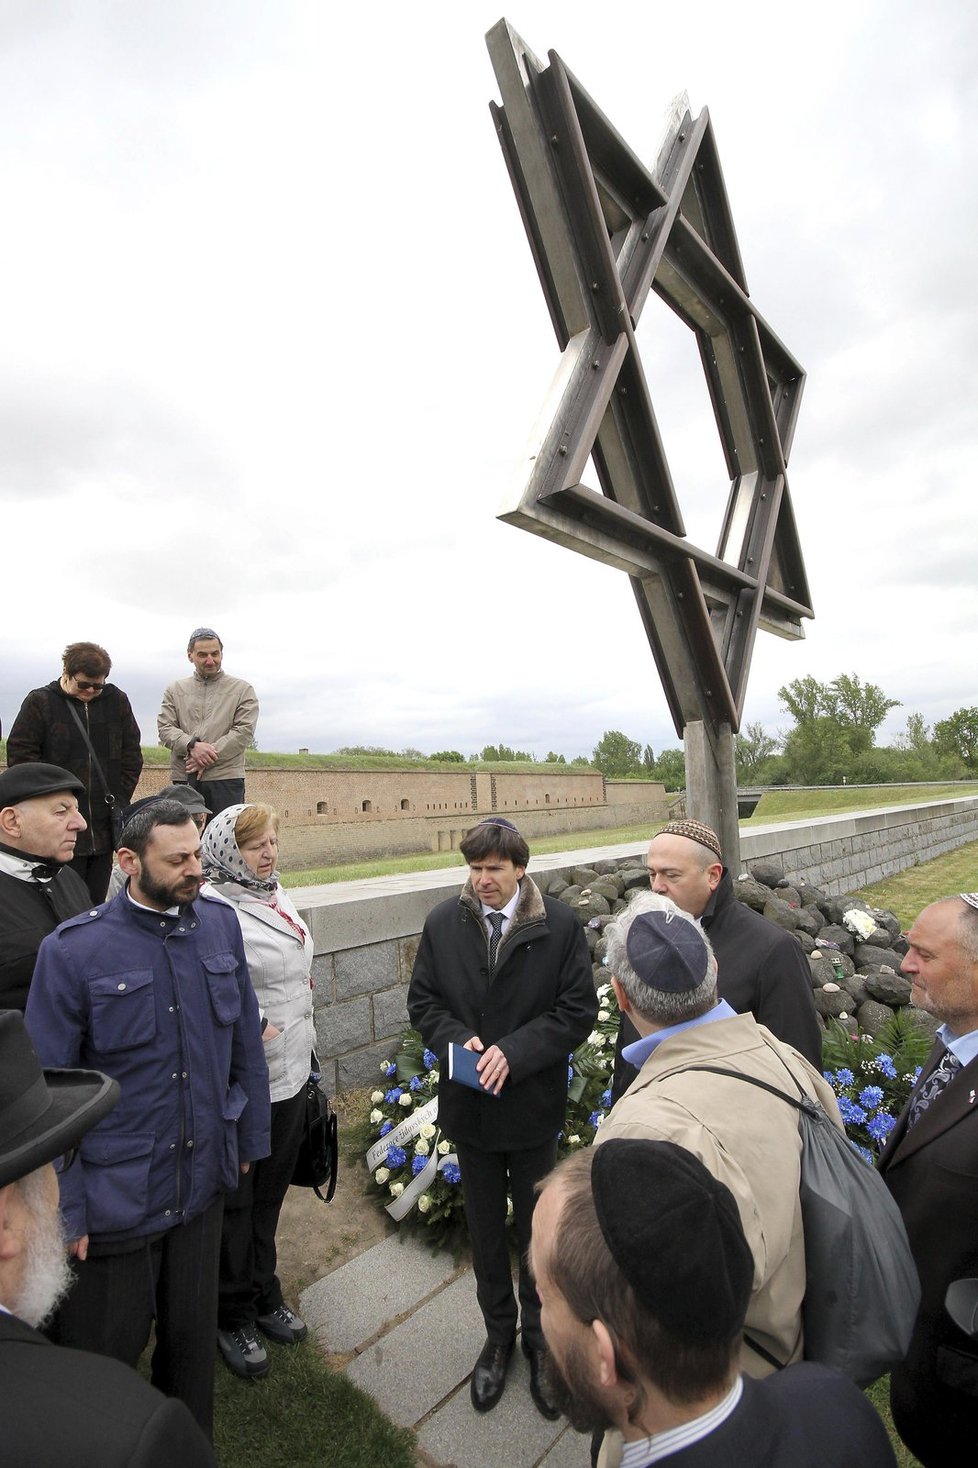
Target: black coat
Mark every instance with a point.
(28, 913)
(761, 970)
(71, 1409)
(539, 1005)
(932, 1172)
(44, 730)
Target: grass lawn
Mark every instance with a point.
(803, 805)
(907, 892)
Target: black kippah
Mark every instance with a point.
(675, 1233)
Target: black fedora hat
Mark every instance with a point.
(42, 1112)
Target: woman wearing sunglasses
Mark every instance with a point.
(85, 725)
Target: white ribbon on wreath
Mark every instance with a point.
(406, 1131)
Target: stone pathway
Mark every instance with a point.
(409, 1322)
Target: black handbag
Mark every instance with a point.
(116, 818)
(318, 1155)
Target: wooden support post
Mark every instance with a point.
(711, 786)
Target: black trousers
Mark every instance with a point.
(115, 1298)
(485, 1176)
(248, 1283)
(94, 871)
(217, 795)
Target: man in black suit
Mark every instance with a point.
(931, 1166)
(61, 1406)
(39, 824)
(504, 972)
(644, 1274)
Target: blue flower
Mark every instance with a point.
(851, 1113)
(418, 1164)
(415, 1083)
(593, 1119)
(430, 1060)
(845, 1076)
(391, 1069)
(829, 1075)
(451, 1172)
(570, 1074)
(393, 1095)
(396, 1157)
(385, 1127)
(885, 1064)
(881, 1125)
(871, 1096)
(916, 1073)
(606, 1097)
(864, 1152)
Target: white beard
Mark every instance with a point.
(47, 1273)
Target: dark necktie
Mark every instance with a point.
(939, 1077)
(495, 920)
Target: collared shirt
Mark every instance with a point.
(168, 911)
(20, 867)
(661, 1445)
(963, 1047)
(506, 911)
(638, 1053)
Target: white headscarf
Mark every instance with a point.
(222, 860)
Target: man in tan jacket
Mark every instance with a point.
(664, 975)
(207, 722)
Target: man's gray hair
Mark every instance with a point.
(658, 1006)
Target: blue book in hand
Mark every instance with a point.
(462, 1067)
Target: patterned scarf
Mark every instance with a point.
(223, 862)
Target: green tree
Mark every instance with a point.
(617, 756)
(648, 760)
(670, 768)
(581, 759)
(958, 735)
(554, 759)
(754, 746)
(502, 754)
(449, 756)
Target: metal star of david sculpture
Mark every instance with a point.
(605, 231)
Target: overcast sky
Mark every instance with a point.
(273, 343)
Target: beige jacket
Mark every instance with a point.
(221, 710)
(746, 1138)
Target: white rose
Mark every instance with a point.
(574, 1141)
(381, 1176)
(433, 1077)
(428, 1131)
(603, 990)
(376, 1097)
(376, 1116)
(603, 1016)
(405, 1099)
(424, 1202)
(421, 1148)
(397, 1189)
(444, 1148)
(595, 1039)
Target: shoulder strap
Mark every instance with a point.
(109, 797)
(800, 1102)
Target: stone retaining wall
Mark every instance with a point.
(366, 933)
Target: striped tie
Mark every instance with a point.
(495, 920)
(939, 1077)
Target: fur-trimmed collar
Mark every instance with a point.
(529, 907)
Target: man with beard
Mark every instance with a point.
(644, 1275)
(63, 1406)
(153, 989)
(39, 825)
(207, 722)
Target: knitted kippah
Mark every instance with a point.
(496, 821)
(694, 831)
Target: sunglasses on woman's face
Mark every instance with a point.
(84, 687)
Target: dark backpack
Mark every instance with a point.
(861, 1284)
(316, 1163)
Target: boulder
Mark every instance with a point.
(571, 894)
(868, 956)
(873, 1016)
(634, 877)
(855, 986)
(590, 905)
(831, 1001)
(815, 916)
(924, 1022)
(754, 894)
(889, 988)
(607, 868)
(809, 895)
(805, 941)
(789, 894)
(781, 913)
(607, 889)
(556, 886)
(836, 933)
(887, 920)
(805, 923)
(768, 872)
(583, 876)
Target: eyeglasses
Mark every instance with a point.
(84, 687)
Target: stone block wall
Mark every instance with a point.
(366, 933)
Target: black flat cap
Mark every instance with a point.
(24, 782)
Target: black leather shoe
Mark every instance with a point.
(536, 1357)
(489, 1375)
